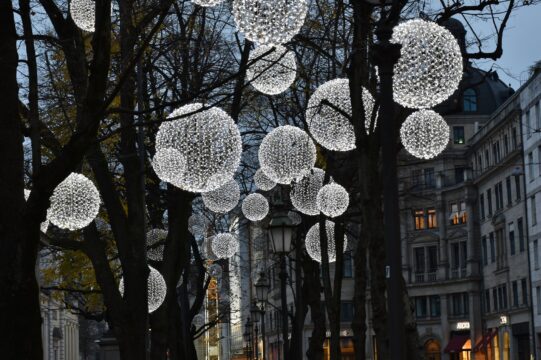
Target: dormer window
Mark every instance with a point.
(470, 100)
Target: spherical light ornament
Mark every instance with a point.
(262, 181)
(255, 207)
(83, 13)
(197, 224)
(269, 22)
(44, 225)
(169, 164)
(424, 134)
(210, 142)
(75, 203)
(155, 244)
(287, 153)
(215, 270)
(206, 249)
(224, 245)
(295, 217)
(313, 244)
(223, 199)
(156, 286)
(273, 73)
(303, 193)
(430, 67)
(326, 115)
(207, 3)
(332, 200)
(198, 320)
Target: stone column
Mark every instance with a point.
(476, 328)
(443, 264)
(445, 326)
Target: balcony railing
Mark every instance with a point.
(425, 277)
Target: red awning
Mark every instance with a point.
(456, 343)
(485, 341)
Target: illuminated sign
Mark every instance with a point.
(504, 320)
(465, 325)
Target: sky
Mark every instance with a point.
(521, 45)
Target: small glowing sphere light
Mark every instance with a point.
(332, 200)
(424, 134)
(197, 224)
(326, 112)
(313, 244)
(155, 244)
(295, 217)
(169, 164)
(303, 193)
(273, 73)
(210, 142)
(198, 320)
(75, 203)
(83, 13)
(255, 207)
(287, 153)
(269, 22)
(430, 66)
(223, 199)
(262, 181)
(156, 286)
(224, 245)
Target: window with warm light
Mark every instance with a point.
(432, 219)
(419, 219)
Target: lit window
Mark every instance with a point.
(470, 100)
(453, 218)
(419, 219)
(458, 135)
(432, 219)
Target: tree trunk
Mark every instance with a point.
(312, 287)
(19, 305)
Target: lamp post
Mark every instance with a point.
(254, 310)
(248, 338)
(280, 232)
(262, 288)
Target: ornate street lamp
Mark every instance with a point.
(262, 288)
(281, 232)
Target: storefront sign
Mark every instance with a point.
(464, 325)
(504, 320)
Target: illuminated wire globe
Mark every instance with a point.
(223, 199)
(313, 244)
(75, 203)
(430, 67)
(156, 288)
(287, 153)
(332, 200)
(206, 249)
(169, 164)
(198, 320)
(207, 3)
(273, 73)
(224, 245)
(155, 244)
(83, 14)
(269, 22)
(44, 225)
(197, 224)
(210, 142)
(262, 181)
(424, 134)
(255, 207)
(303, 193)
(326, 115)
(295, 217)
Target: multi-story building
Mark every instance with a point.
(530, 104)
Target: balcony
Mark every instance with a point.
(425, 277)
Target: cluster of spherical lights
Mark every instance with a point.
(326, 115)
(430, 66)
(223, 199)
(269, 22)
(255, 207)
(262, 181)
(273, 69)
(224, 245)
(304, 192)
(75, 203)
(332, 200)
(287, 153)
(313, 243)
(169, 164)
(210, 142)
(83, 14)
(424, 134)
(155, 244)
(156, 288)
(44, 225)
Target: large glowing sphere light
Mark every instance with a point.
(224, 245)
(303, 193)
(313, 244)
(332, 200)
(274, 70)
(156, 288)
(223, 199)
(255, 207)
(424, 134)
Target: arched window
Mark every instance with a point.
(432, 350)
(470, 100)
